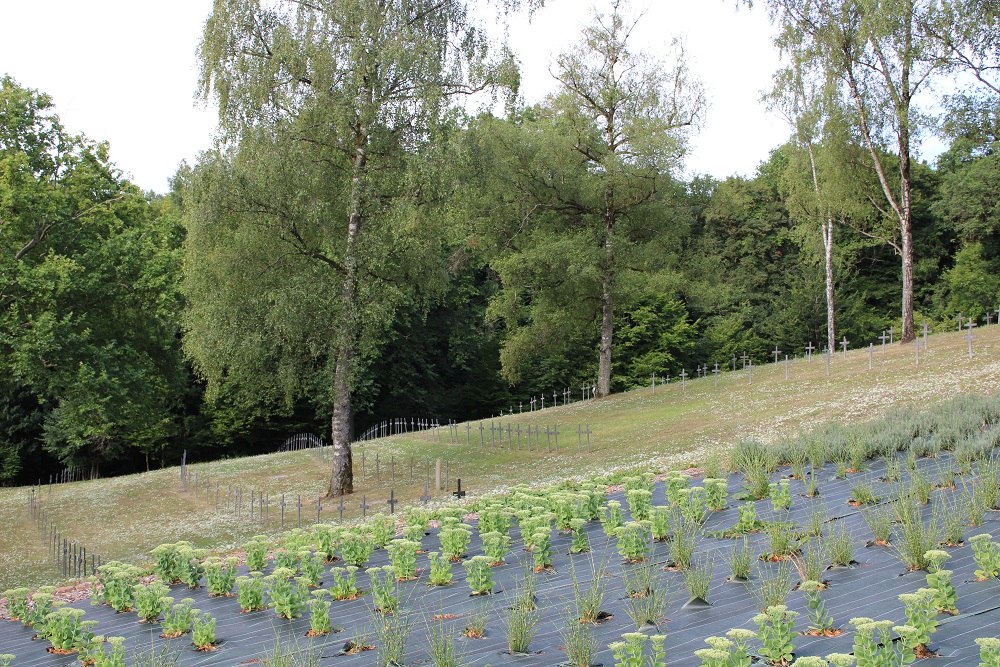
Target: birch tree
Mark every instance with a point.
(357, 85)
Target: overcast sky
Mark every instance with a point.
(125, 71)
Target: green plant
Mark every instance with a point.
(319, 613)
(203, 632)
(455, 540)
(989, 651)
(151, 600)
(811, 484)
(479, 574)
(496, 545)
(345, 583)
(256, 550)
(385, 594)
(326, 539)
(684, 542)
(781, 496)
(659, 522)
(382, 529)
(740, 560)
(698, 577)
(986, 553)
(220, 576)
(7, 659)
(312, 565)
(921, 614)
(772, 584)
(648, 594)
(780, 540)
(820, 620)
(712, 465)
(746, 521)
(356, 548)
(873, 645)
(634, 541)
(639, 503)
(444, 649)
(286, 593)
(541, 549)
(579, 544)
(612, 518)
(403, 556)
(178, 619)
(116, 583)
(939, 581)
(588, 603)
(914, 537)
(631, 651)
(164, 656)
(66, 630)
(716, 493)
(879, 522)
(776, 632)
(674, 483)
(250, 592)
(391, 633)
(475, 627)
(839, 546)
(440, 574)
(863, 494)
(952, 522)
(521, 625)
(579, 640)
(893, 472)
(810, 561)
(920, 487)
(170, 559)
(756, 462)
(99, 657)
(191, 569)
(18, 607)
(692, 504)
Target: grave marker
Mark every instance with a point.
(392, 501)
(969, 337)
(364, 506)
(871, 347)
(683, 376)
(426, 497)
(776, 352)
(925, 335)
(459, 493)
(843, 346)
(716, 372)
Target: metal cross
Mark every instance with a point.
(458, 493)
(809, 351)
(392, 501)
(364, 506)
(843, 346)
(969, 337)
(744, 361)
(776, 352)
(926, 328)
(871, 347)
(716, 372)
(884, 337)
(683, 376)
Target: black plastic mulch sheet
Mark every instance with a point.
(868, 588)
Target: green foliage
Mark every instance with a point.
(440, 574)
(203, 631)
(634, 541)
(455, 540)
(403, 556)
(220, 575)
(151, 600)
(987, 555)
(356, 548)
(385, 594)
(632, 650)
(319, 613)
(776, 632)
(256, 553)
(345, 583)
(250, 592)
(286, 593)
(479, 574)
(177, 620)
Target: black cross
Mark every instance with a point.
(392, 501)
(364, 506)
(427, 496)
(459, 493)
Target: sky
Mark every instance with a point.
(125, 72)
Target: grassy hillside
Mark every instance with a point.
(673, 427)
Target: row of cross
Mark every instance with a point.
(69, 557)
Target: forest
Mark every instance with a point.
(363, 243)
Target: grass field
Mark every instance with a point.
(125, 517)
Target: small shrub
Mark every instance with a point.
(312, 565)
(496, 545)
(579, 544)
(921, 614)
(716, 493)
(286, 593)
(631, 651)
(151, 600)
(319, 613)
(986, 553)
(634, 541)
(203, 632)
(403, 556)
(939, 581)
(479, 574)
(256, 553)
(639, 503)
(178, 619)
(356, 548)
(220, 576)
(250, 592)
(385, 594)
(382, 529)
(455, 541)
(440, 574)
(345, 583)
(541, 552)
(612, 518)
(116, 586)
(989, 651)
(820, 620)
(776, 632)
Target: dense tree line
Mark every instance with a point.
(359, 246)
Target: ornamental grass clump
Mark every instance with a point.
(648, 594)
(879, 521)
(286, 593)
(781, 541)
(740, 561)
(588, 602)
(151, 600)
(914, 538)
(756, 462)
(440, 574)
(479, 574)
(820, 620)
(773, 583)
(220, 576)
(839, 546)
(939, 581)
(698, 578)
(203, 632)
(634, 541)
(863, 494)
(391, 633)
(921, 615)
(178, 619)
(319, 613)
(613, 518)
(403, 557)
(776, 633)
(684, 542)
(385, 594)
(986, 553)
(250, 592)
(345, 583)
(579, 642)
